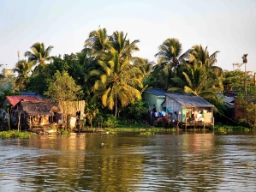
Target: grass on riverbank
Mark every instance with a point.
(228, 128)
(144, 128)
(15, 134)
(140, 129)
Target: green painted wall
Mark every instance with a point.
(153, 99)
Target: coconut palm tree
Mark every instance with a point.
(97, 42)
(169, 52)
(201, 55)
(146, 68)
(169, 58)
(245, 58)
(118, 81)
(23, 68)
(90, 112)
(39, 53)
(197, 81)
(123, 46)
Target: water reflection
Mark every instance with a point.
(129, 162)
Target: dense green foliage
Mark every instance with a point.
(62, 87)
(111, 79)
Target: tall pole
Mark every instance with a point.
(245, 83)
(245, 62)
(18, 56)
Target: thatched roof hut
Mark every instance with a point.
(36, 113)
(15, 99)
(33, 108)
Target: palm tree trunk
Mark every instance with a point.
(116, 108)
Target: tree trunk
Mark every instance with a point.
(116, 108)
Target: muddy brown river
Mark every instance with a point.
(129, 162)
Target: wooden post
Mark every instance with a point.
(213, 123)
(19, 122)
(185, 124)
(9, 119)
(30, 122)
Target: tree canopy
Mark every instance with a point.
(108, 74)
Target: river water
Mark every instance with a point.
(129, 162)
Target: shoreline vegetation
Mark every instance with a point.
(110, 81)
(143, 130)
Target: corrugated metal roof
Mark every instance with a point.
(189, 100)
(15, 99)
(157, 92)
(28, 93)
(228, 99)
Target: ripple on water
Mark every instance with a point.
(185, 162)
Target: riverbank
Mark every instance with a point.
(146, 130)
(16, 134)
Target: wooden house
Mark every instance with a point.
(189, 110)
(31, 110)
(12, 101)
(35, 113)
(41, 113)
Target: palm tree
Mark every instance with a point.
(169, 52)
(201, 55)
(169, 58)
(123, 46)
(98, 42)
(23, 68)
(197, 81)
(116, 80)
(39, 53)
(245, 58)
(146, 68)
(90, 112)
(119, 81)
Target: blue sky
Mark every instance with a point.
(228, 26)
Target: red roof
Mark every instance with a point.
(16, 99)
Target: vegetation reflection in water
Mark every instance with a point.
(129, 162)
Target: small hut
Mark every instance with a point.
(14, 100)
(189, 110)
(36, 113)
(72, 112)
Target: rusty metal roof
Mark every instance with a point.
(16, 99)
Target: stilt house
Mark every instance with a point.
(189, 110)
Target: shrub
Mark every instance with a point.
(111, 121)
(64, 132)
(15, 134)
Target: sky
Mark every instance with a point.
(227, 26)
